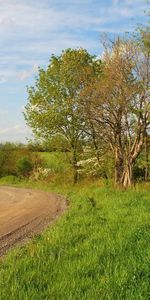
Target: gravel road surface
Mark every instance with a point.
(24, 213)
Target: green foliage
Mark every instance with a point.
(59, 165)
(7, 162)
(54, 104)
(81, 100)
(9, 146)
(2, 158)
(57, 161)
(9, 180)
(24, 166)
(145, 37)
(89, 166)
(99, 249)
(56, 143)
(35, 146)
(19, 161)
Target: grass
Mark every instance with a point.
(99, 249)
(56, 161)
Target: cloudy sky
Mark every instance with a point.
(31, 30)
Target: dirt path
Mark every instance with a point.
(25, 212)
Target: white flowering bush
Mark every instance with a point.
(40, 173)
(88, 166)
(91, 167)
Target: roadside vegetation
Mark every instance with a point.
(99, 248)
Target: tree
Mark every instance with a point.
(54, 103)
(118, 104)
(144, 41)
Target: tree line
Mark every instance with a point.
(100, 102)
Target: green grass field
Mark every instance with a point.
(99, 248)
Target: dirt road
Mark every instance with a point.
(25, 212)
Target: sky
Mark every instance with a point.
(32, 30)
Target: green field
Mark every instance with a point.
(99, 248)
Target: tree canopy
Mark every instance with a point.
(119, 102)
(54, 105)
(105, 101)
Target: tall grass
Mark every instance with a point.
(99, 249)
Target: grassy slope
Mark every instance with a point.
(99, 249)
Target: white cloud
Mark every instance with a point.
(3, 112)
(6, 73)
(17, 132)
(22, 108)
(47, 23)
(30, 31)
(37, 21)
(115, 2)
(6, 22)
(24, 75)
(28, 73)
(16, 129)
(2, 79)
(35, 68)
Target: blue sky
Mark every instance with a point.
(31, 30)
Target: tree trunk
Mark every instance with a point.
(127, 177)
(118, 166)
(146, 158)
(75, 175)
(74, 164)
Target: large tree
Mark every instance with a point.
(54, 105)
(144, 41)
(118, 104)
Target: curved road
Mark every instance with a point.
(25, 212)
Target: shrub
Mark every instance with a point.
(7, 162)
(41, 173)
(10, 179)
(24, 166)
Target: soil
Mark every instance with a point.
(24, 213)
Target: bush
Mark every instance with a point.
(7, 162)
(10, 179)
(138, 173)
(41, 174)
(18, 161)
(24, 166)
